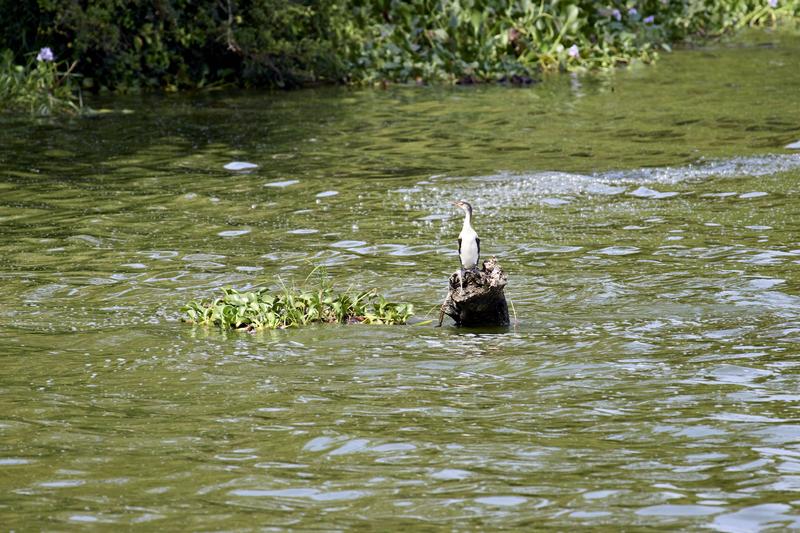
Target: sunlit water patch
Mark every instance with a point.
(505, 190)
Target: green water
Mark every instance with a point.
(648, 223)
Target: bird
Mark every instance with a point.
(469, 245)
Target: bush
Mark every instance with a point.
(130, 45)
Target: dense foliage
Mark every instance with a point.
(295, 307)
(491, 40)
(132, 44)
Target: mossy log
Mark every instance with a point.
(476, 297)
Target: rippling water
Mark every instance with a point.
(648, 223)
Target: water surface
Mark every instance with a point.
(648, 223)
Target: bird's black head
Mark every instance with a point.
(461, 204)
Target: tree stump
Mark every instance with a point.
(480, 301)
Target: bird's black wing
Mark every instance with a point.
(459, 246)
(478, 241)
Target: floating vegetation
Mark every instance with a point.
(291, 307)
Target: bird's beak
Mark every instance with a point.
(455, 204)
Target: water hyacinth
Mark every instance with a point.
(40, 86)
(616, 14)
(772, 3)
(573, 51)
(632, 12)
(649, 19)
(45, 55)
(292, 307)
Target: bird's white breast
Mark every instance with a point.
(469, 247)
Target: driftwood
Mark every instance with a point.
(476, 297)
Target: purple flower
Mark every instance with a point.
(573, 51)
(772, 3)
(616, 14)
(632, 11)
(649, 19)
(45, 54)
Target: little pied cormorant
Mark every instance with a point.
(469, 245)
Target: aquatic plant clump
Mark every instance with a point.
(254, 310)
(496, 40)
(42, 87)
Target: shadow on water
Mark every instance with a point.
(647, 223)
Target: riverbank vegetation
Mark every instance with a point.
(183, 44)
(42, 86)
(291, 307)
